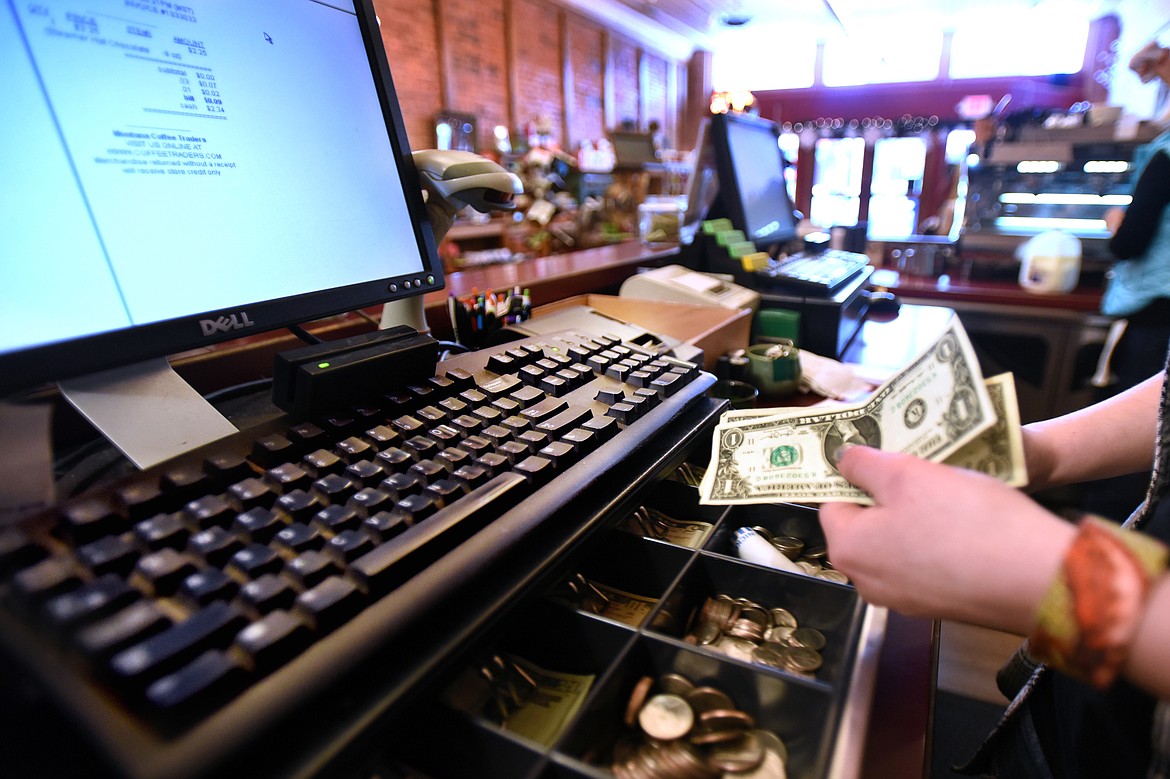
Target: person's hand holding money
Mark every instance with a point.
(943, 542)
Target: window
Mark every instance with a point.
(836, 190)
(882, 56)
(1046, 40)
(898, 167)
(763, 58)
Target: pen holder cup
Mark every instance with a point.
(739, 394)
(774, 368)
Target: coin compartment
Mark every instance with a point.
(681, 501)
(462, 741)
(833, 609)
(634, 565)
(541, 632)
(779, 519)
(801, 715)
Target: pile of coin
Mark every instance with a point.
(684, 731)
(747, 631)
(814, 560)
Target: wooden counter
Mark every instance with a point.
(551, 278)
(945, 291)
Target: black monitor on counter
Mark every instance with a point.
(750, 167)
(184, 175)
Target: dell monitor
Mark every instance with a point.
(175, 175)
(752, 190)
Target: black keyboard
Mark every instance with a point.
(296, 578)
(816, 274)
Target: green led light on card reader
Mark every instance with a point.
(322, 365)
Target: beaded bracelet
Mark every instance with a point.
(1091, 611)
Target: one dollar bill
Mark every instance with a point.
(930, 409)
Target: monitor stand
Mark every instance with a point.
(147, 411)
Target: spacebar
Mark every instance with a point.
(400, 558)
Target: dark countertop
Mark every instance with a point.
(946, 291)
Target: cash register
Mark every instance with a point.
(740, 221)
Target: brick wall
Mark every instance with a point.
(510, 61)
(409, 32)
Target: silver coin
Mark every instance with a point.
(726, 719)
(708, 633)
(782, 618)
(675, 684)
(771, 767)
(736, 648)
(744, 628)
(763, 532)
(807, 637)
(704, 699)
(828, 574)
(778, 635)
(803, 660)
(789, 546)
(737, 757)
(773, 743)
(666, 717)
(771, 655)
(756, 614)
(816, 552)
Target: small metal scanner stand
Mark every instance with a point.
(147, 411)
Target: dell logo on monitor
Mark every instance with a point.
(224, 324)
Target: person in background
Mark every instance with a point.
(1137, 291)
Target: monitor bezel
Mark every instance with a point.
(633, 138)
(730, 195)
(28, 369)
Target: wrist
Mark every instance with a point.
(1094, 607)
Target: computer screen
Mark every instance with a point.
(178, 173)
(632, 149)
(752, 191)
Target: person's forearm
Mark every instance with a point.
(1110, 438)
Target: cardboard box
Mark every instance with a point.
(714, 329)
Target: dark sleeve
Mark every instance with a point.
(1151, 195)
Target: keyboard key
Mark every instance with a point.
(395, 561)
(210, 511)
(215, 546)
(212, 628)
(18, 551)
(311, 567)
(268, 593)
(331, 603)
(162, 531)
(255, 560)
(112, 554)
(138, 621)
(164, 570)
(273, 640)
(335, 519)
(261, 524)
(207, 586)
(206, 681)
(348, 545)
(299, 537)
(93, 601)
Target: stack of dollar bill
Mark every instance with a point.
(938, 408)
